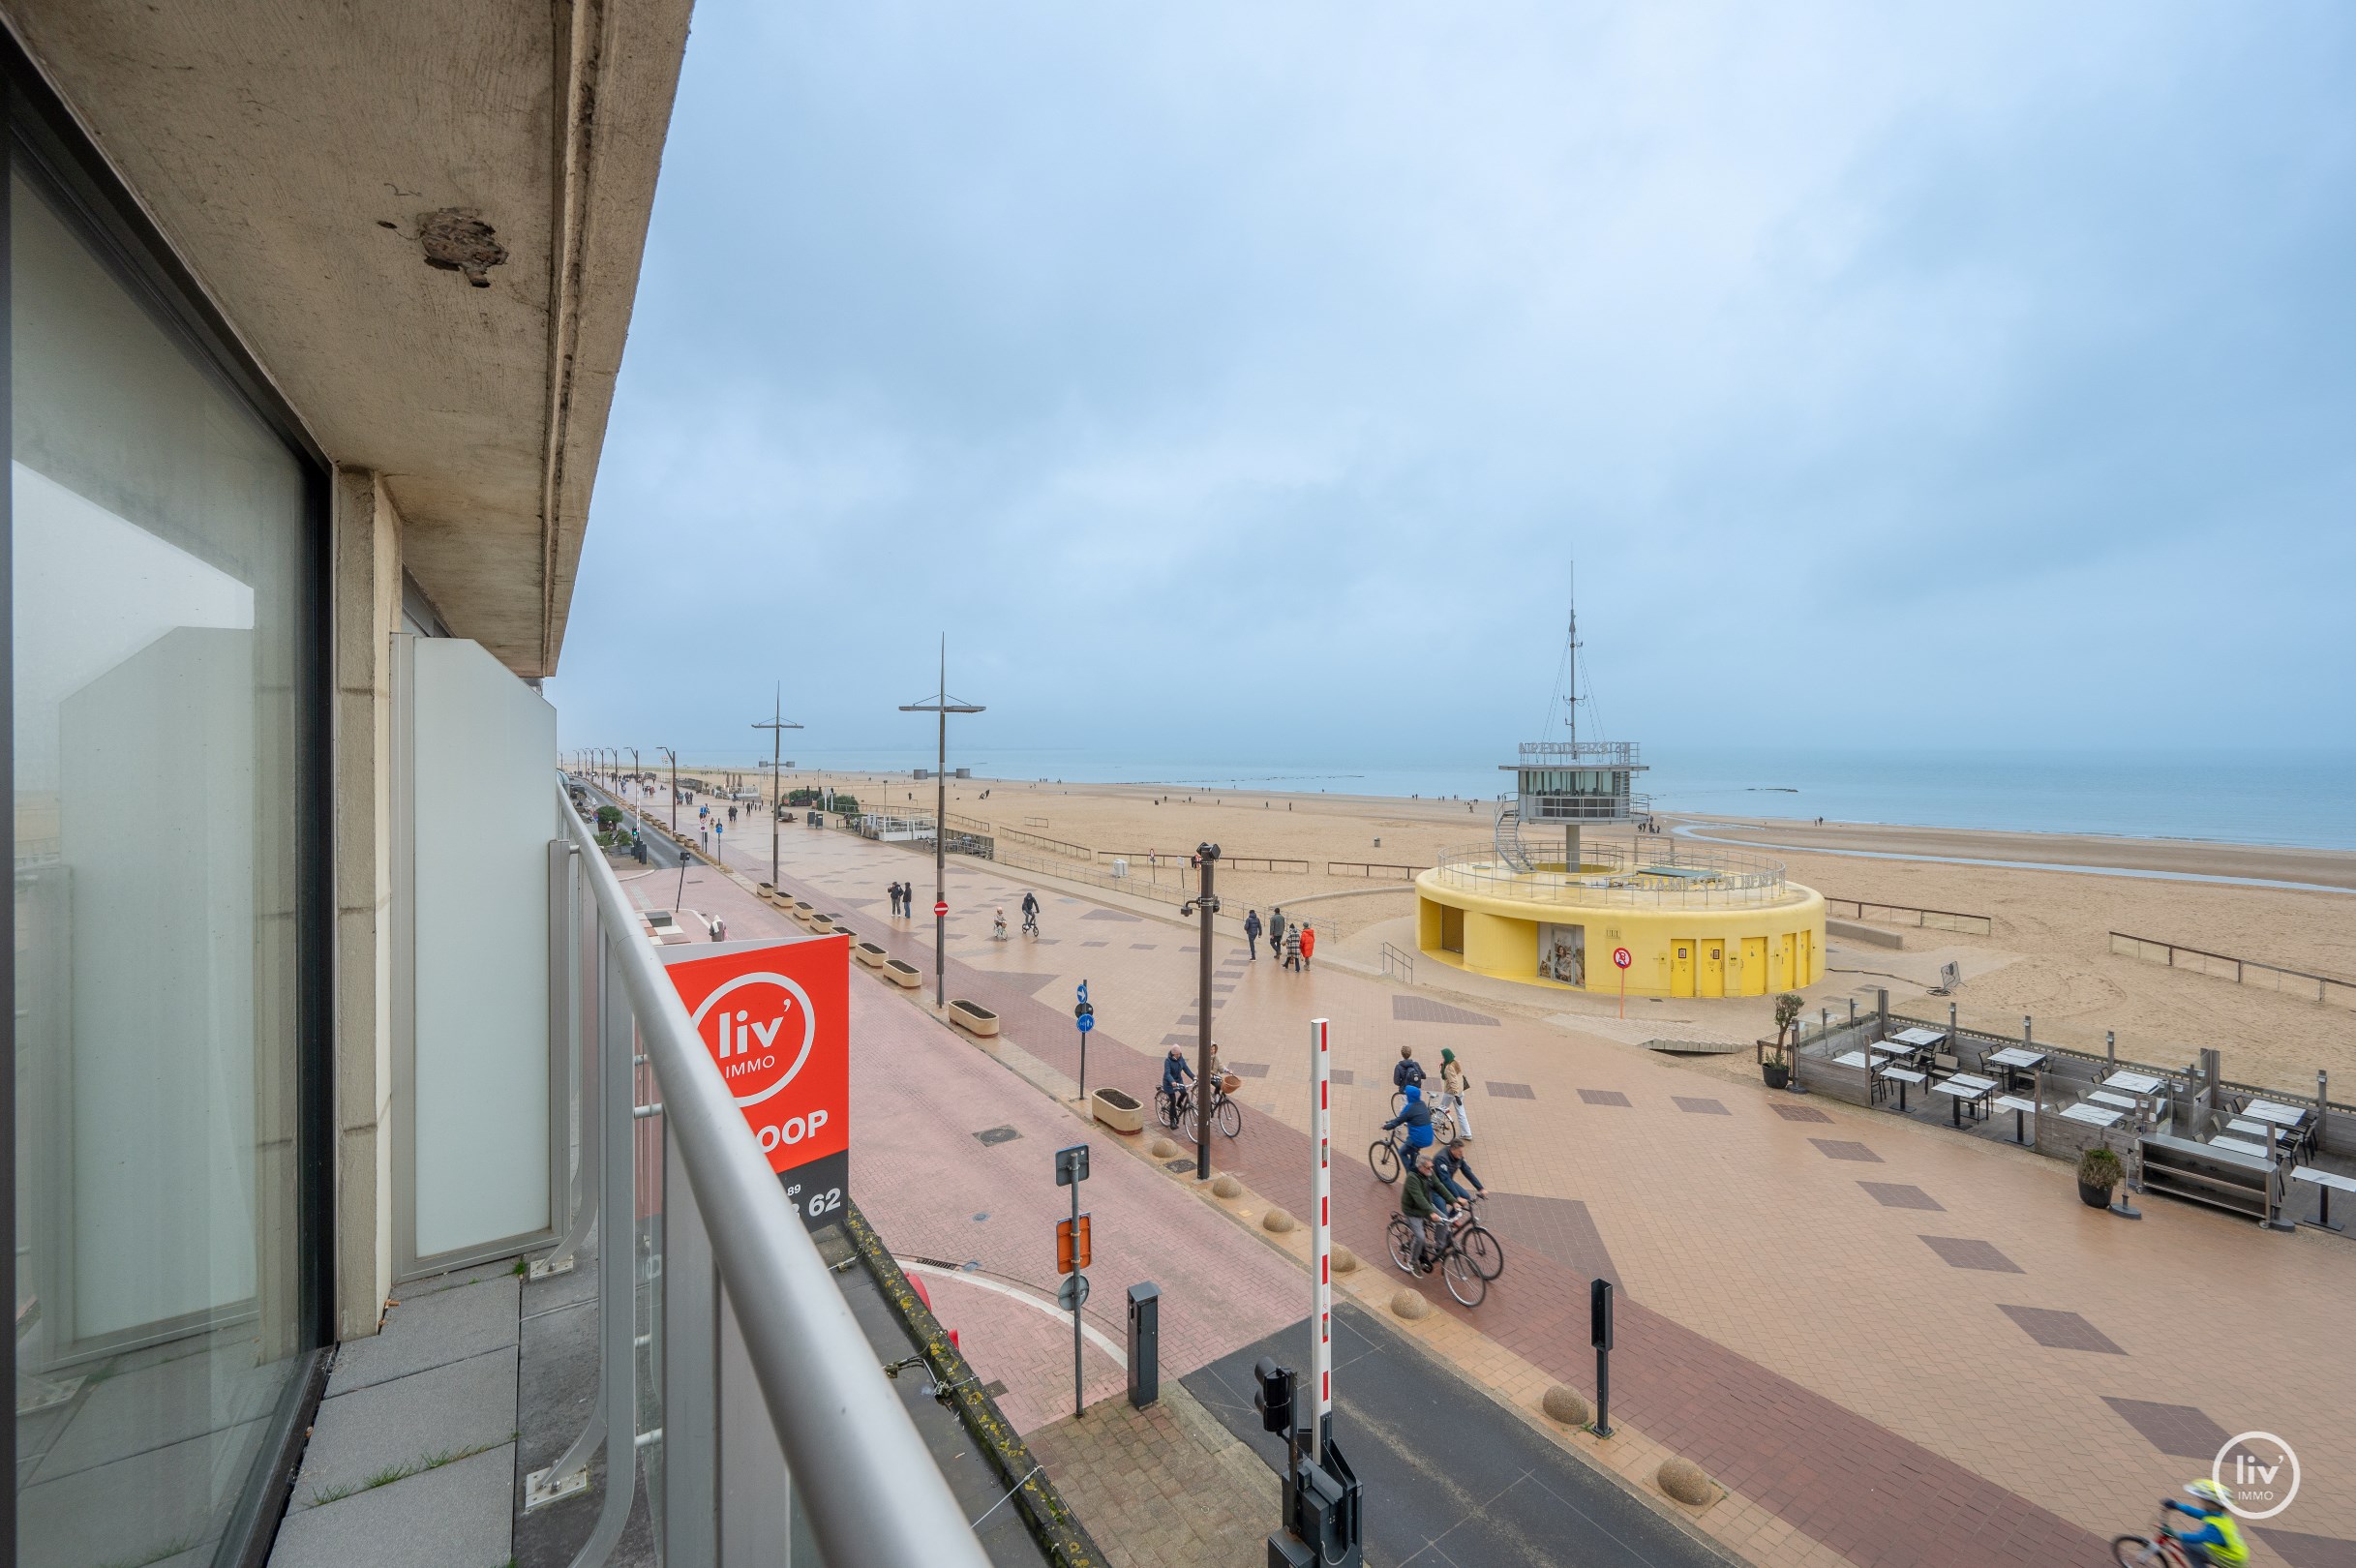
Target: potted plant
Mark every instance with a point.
(2099, 1171)
(1775, 1060)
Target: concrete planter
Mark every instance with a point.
(973, 1017)
(768, 891)
(901, 972)
(868, 953)
(1118, 1111)
(801, 910)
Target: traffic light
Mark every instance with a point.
(1274, 1400)
(1072, 1244)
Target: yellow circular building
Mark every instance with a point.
(1701, 926)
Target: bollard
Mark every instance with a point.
(1144, 1344)
(1599, 1335)
(2110, 1044)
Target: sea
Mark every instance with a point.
(2305, 798)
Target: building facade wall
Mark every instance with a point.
(1775, 946)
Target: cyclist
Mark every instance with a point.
(1450, 1171)
(1174, 1071)
(2219, 1539)
(1030, 913)
(998, 927)
(1416, 1118)
(1408, 1069)
(1415, 1202)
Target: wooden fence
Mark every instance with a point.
(1942, 919)
(1371, 868)
(2325, 988)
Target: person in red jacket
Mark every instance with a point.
(1309, 944)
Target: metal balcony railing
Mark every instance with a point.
(1631, 879)
(704, 1264)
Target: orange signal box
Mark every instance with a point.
(1072, 1244)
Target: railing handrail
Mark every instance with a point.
(872, 1493)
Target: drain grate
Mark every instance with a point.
(997, 1135)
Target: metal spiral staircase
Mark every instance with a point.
(1509, 839)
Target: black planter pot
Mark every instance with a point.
(2094, 1197)
(1778, 1074)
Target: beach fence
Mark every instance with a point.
(1167, 883)
(1939, 919)
(2325, 988)
(1373, 869)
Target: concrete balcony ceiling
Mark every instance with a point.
(303, 158)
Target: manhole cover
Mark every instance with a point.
(997, 1135)
(1178, 1165)
(984, 1215)
(995, 1388)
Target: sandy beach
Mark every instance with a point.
(2049, 956)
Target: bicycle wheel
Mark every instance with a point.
(1399, 1101)
(1229, 1117)
(1384, 1160)
(1465, 1282)
(1402, 1239)
(1486, 1254)
(1166, 1109)
(1443, 1128)
(2137, 1552)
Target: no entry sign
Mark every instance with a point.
(940, 909)
(774, 1019)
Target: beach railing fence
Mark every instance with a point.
(1398, 964)
(1373, 868)
(1167, 885)
(2329, 990)
(1882, 914)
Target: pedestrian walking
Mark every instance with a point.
(1293, 946)
(1275, 934)
(1452, 1083)
(1308, 942)
(1252, 933)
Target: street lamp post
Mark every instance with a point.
(674, 756)
(777, 727)
(1205, 903)
(638, 818)
(943, 703)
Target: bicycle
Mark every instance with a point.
(1225, 1115)
(1443, 1121)
(1465, 1282)
(1480, 1243)
(2160, 1550)
(1030, 926)
(1170, 1105)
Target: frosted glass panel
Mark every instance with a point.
(156, 531)
(484, 782)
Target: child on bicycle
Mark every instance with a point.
(998, 927)
(2218, 1540)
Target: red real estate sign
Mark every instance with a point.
(775, 1019)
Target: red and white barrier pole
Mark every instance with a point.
(1320, 1239)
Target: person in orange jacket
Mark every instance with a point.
(1308, 942)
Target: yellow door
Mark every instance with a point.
(1680, 966)
(1450, 929)
(1754, 966)
(1803, 958)
(1713, 968)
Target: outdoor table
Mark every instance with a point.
(1850, 1059)
(1971, 1080)
(2103, 1096)
(1961, 1089)
(2238, 1125)
(2325, 1181)
(2237, 1145)
(2092, 1115)
(1920, 1040)
(1905, 1076)
(2015, 1059)
(2267, 1110)
(2020, 1110)
(2134, 1083)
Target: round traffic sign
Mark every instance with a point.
(1087, 1022)
(1072, 1293)
(1622, 957)
(940, 908)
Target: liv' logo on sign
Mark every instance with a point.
(2259, 1472)
(773, 1018)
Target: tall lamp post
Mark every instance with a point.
(1206, 904)
(674, 756)
(638, 818)
(777, 727)
(943, 703)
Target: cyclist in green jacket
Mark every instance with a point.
(1416, 1203)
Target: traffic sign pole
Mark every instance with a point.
(1071, 1170)
(1620, 960)
(1320, 1241)
(1083, 1012)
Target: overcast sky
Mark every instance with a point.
(1239, 382)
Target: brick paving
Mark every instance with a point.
(1782, 1324)
(1164, 1486)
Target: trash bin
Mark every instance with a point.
(1144, 1344)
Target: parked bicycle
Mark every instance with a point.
(1464, 1281)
